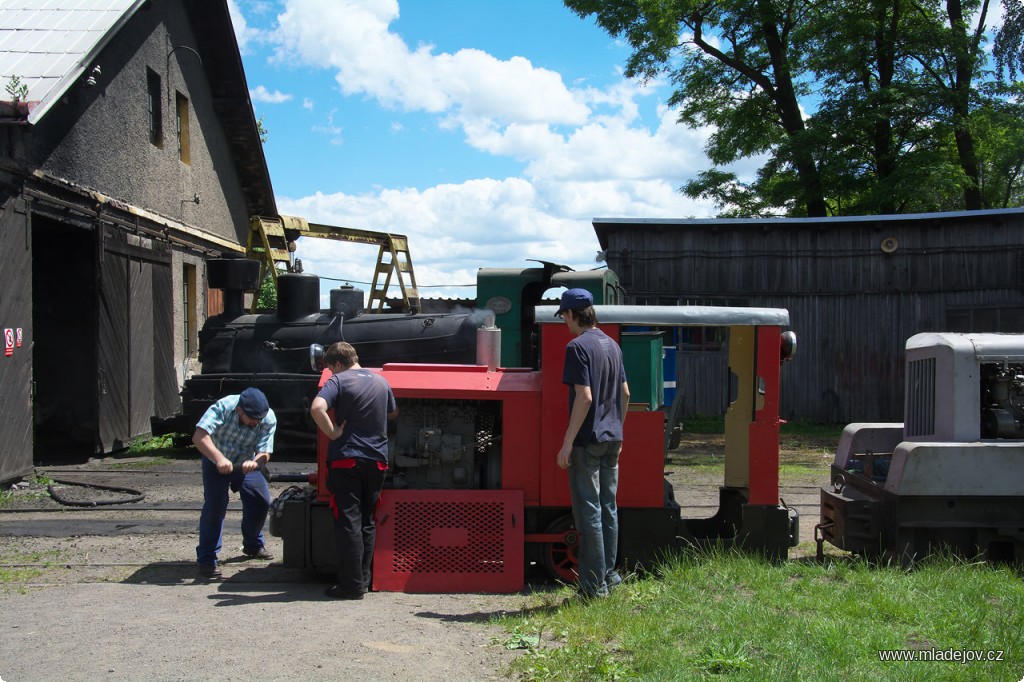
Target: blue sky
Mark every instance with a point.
(488, 132)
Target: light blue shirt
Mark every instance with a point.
(234, 439)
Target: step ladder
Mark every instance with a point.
(271, 242)
(394, 260)
(269, 245)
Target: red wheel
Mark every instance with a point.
(561, 559)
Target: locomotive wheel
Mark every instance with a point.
(561, 559)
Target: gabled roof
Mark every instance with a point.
(49, 44)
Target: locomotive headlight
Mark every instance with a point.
(316, 357)
(787, 347)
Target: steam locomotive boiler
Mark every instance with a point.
(276, 351)
(273, 350)
(474, 495)
(951, 476)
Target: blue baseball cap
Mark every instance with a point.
(253, 403)
(575, 299)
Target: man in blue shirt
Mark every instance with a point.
(598, 399)
(357, 458)
(235, 437)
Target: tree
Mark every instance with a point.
(861, 106)
(735, 70)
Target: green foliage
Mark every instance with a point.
(268, 294)
(147, 444)
(730, 615)
(261, 128)
(16, 90)
(856, 107)
(1009, 44)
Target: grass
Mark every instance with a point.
(36, 491)
(720, 614)
(726, 615)
(13, 568)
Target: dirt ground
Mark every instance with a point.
(101, 592)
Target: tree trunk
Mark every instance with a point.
(789, 113)
(961, 103)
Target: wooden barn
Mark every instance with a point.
(129, 154)
(856, 288)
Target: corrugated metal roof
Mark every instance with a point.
(48, 44)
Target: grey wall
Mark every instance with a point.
(852, 304)
(98, 136)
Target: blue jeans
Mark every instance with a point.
(593, 482)
(255, 494)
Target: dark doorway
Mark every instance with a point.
(64, 356)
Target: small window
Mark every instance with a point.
(156, 135)
(183, 141)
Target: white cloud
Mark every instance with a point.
(261, 94)
(585, 152)
(354, 39)
(307, 103)
(330, 129)
(455, 229)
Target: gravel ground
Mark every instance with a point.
(106, 593)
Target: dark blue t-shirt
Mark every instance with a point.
(362, 400)
(594, 359)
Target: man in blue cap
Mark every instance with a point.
(598, 399)
(235, 437)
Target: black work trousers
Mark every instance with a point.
(356, 491)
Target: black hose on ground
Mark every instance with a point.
(135, 495)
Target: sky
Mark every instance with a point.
(488, 132)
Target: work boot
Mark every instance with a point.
(209, 571)
(336, 593)
(263, 554)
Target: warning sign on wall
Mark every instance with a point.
(17, 337)
(8, 342)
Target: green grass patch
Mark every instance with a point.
(700, 423)
(727, 615)
(143, 444)
(812, 430)
(14, 568)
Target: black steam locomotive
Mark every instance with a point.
(279, 351)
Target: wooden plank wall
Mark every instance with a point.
(853, 298)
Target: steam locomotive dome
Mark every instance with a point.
(279, 343)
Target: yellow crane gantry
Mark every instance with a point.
(272, 242)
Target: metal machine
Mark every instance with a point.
(271, 349)
(950, 477)
(474, 494)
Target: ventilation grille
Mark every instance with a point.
(449, 541)
(920, 411)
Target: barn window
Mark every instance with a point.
(156, 135)
(183, 138)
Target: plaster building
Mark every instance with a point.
(129, 154)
